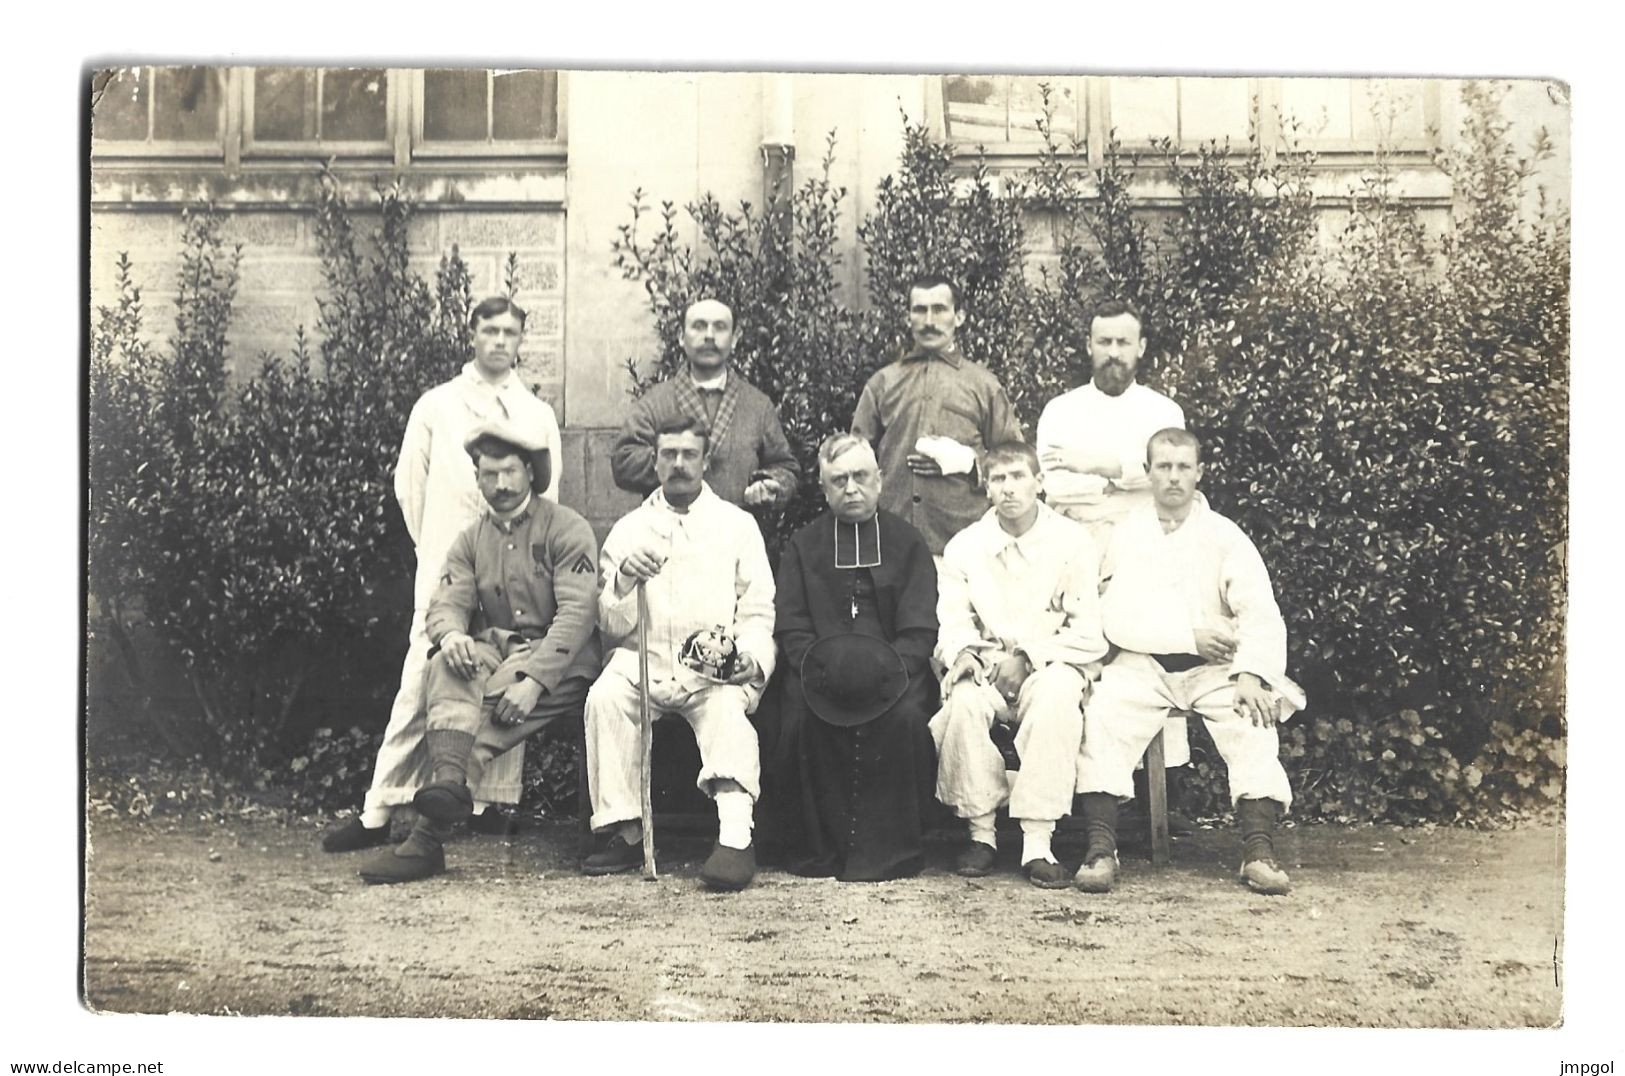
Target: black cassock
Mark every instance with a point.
(850, 801)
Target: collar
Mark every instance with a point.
(857, 545)
(657, 500)
(1199, 508)
(517, 518)
(994, 539)
(716, 384)
(953, 356)
(471, 373)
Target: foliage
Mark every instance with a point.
(334, 770)
(252, 531)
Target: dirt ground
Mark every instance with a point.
(1386, 927)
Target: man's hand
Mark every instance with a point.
(1255, 700)
(760, 492)
(923, 465)
(517, 702)
(964, 665)
(1010, 675)
(641, 564)
(1216, 644)
(460, 654)
(1082, 461)
(745, 670)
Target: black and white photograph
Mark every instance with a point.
(1028, 547)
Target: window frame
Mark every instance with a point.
(421, 148)
(112, 148)
(354, 149)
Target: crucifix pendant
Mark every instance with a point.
(854, 608)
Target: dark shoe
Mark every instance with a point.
(494, 823)
(419, 856)
(1265, 876)
(1004, 738)
(352, 836)
(1098, 875)
(444, 801)
(614, 857)
(976, 861)
(1046, 875)
(729, 868)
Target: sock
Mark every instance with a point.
(631, 832)
(734, 819)
(448, 753)
(982, 831)
(1256, 820)
(1035, 835)
(1100, 824)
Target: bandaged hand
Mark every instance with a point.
(760, 492)
(949, 455)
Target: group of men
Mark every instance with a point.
(973, 621)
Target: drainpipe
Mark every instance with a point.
(778, 146)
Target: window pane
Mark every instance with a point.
(285, 104)
(355, 105)
(1388, 110)
(1214, 109)
(454, 105)
(525, 105)
(976, 107)
(1027, 106)
(121, 110)
(1144, 108)
(1319, 105)
(187, 104)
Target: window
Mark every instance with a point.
(330, 109)
(174, 110)
(1334, 114)
(1006, 108)
(473, 111)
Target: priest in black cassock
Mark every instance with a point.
(846, 750)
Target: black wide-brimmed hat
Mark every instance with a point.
(852, 679)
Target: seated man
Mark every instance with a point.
(847, 744)
(704, 567)
(512, 624)
(1181, 575)
(1020, 635)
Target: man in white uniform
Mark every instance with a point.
(439, 497)
(704, 566)
(1019, 633)
(1178, 573)
(1091, 445)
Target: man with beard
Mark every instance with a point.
(846, 746)
(439, 498)
(749, 461)
(1021, 640)
(930, 415)
(1091, 444)
(704, 569)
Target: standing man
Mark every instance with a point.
(1176, 570)
(847, 743)
(750, 462)
(705, 567)
(1021, 640)
(439, 498)
(1091, 444)
(931, 414)
(512, 623)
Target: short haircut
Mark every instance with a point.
(1112, 308)
(495, 307)
(1008, 452)
(498, 448)
(725, 304)
(926, 281)
(685, 424)
(1174, 437)
(837, 445)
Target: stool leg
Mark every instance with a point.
(1156, 787)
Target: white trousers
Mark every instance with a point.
(716, 713)
(1131, 703)
(971, 777)
(402, 766)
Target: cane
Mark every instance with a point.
(646, 729)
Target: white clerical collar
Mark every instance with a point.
(857, 545)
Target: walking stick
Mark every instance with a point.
(646, 730)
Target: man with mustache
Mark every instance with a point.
(512, 626)
(1091, 444)
(930, 415)
(703, 566)
(1174, 567)
(749, 461)
(439, 498)
(1020, 637)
